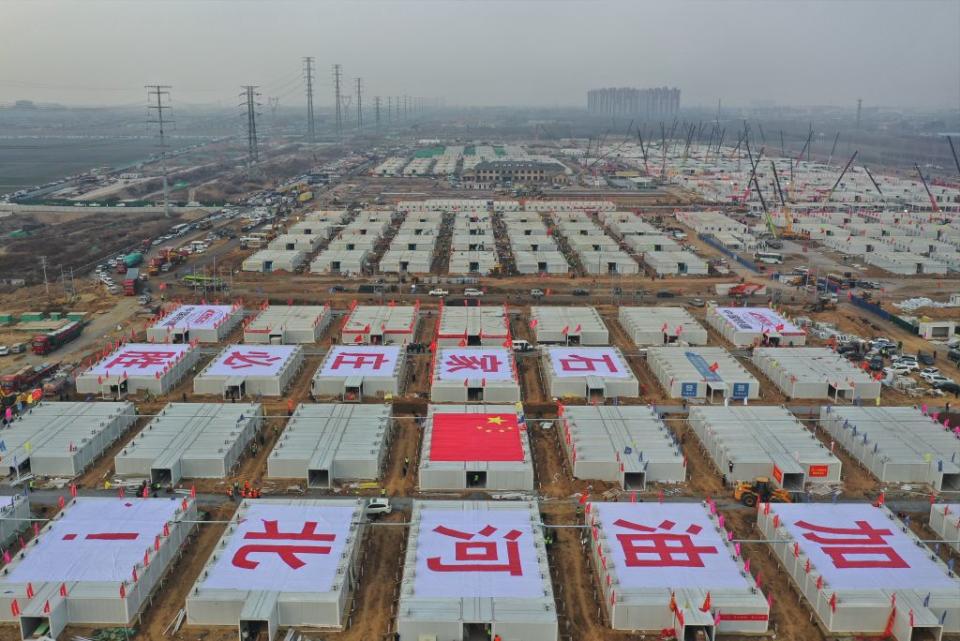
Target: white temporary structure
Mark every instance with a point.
(240, 371)
(354, 372)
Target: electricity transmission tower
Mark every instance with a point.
(249, 100)
(158, 100)
(359, 105)
(389, 107)
(337, 100)
(376, 110)
(308, 76)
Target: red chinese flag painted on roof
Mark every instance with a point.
(475, 437)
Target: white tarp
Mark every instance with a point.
(758, 319)
(140, 359)
(98, 539)
(667, 546)
(570, 362)
(283, 548)
(187, 317)
(361, 360)
(855, 546)
(251, 360)
(458, 363)
(477, 553)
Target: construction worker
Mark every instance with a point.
(230, 493)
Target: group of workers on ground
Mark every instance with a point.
(246, 491)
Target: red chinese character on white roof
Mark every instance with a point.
(652, 549)
(480, 555)
(141, 359)
(288, 552)
(240, 360)
(859, 547)
(486, 363)
(581, 363)
(359, 360)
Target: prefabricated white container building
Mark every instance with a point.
(443, 599)
(945, 522)
(710, 373)
(625, 444)
(274, 260)
(135, 367)
(708, 592)
(470, 326)
(204, 323)
(474, 374)
(307, 243)
(289, 324)
(815, 372)
(661, 326)
(887, 583)
(745, 326)
(14, 518)
(324, 444)
(587, 372)
(380, 325)
(63, 439)
(675, 263)
(355, 372)
(747, 442)
(97, 562)
(568, 325)
(897, 444)
(256, 589)
(191, 440)
(240, 371)
(475, 447)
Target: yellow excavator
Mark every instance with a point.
(760, 490)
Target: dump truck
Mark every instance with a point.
(50, 341)
(131, 283)
(27, 378)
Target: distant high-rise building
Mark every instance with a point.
(659, 102)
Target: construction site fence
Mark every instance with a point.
(716, 244)
(876, 310)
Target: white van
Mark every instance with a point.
(520, 345)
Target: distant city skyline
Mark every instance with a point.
(489, 53)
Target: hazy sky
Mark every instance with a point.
(485, 52)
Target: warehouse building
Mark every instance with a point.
(380, 325)
(481, 261)
(475, 447)
(474, 375)
(414, 243)
(651, 243)
(356, 372)
(288, 325)
(326, 444)
(204, 323)
(710, 222)
(335, 261)
(257, 589)
(306, 243)
(700, 592)
(96, 563)
(862, 572)
(568, 325)
(191, 440)
(661, 326)
(747, 442)
(351, 243)
(592, 373)
(608, 262)
(675, 263)
(897, 444)
(136, 367)
(540, 262)
(904, 263)
(63, 439)
(815, 372)
(503, 592)
(269, 260)
(945, 522)
(403, 261)
(625, 444)
(472, 326)
(710, 373)
(240, 371)
(746, 326)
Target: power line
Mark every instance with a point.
(155, 98)
(336, 99)
(249, 96)
(308, 74)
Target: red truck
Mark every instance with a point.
(49, 341)
(131, 282)
(24, 379)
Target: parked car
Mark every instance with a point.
(925, 358)
(954, 355)
(697, 302)
(876, 364)
(472, 292)
(379, 506)
(937, 379)
(665, 294)
(536, 293)
(897, 368)
(439, 292)
(948, 386)
(579, 291)
(4, 350)
(520, 345)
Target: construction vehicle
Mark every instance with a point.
(49, 341)
(131, 282)
(760, 490)
(24, 379)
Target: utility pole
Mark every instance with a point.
(43, 265)
(249, 100)
(336, 99)
(376, 110)
(155, 102)
(859, 109)
(389, 107)
(396, 105)
(308, 76)
(359, 105)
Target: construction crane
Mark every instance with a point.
(933, 201)
(870, 176)
(643, 150)
(953, 151)
(842, 174)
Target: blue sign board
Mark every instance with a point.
(741, 390)
(688, 390)
(701, 365)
